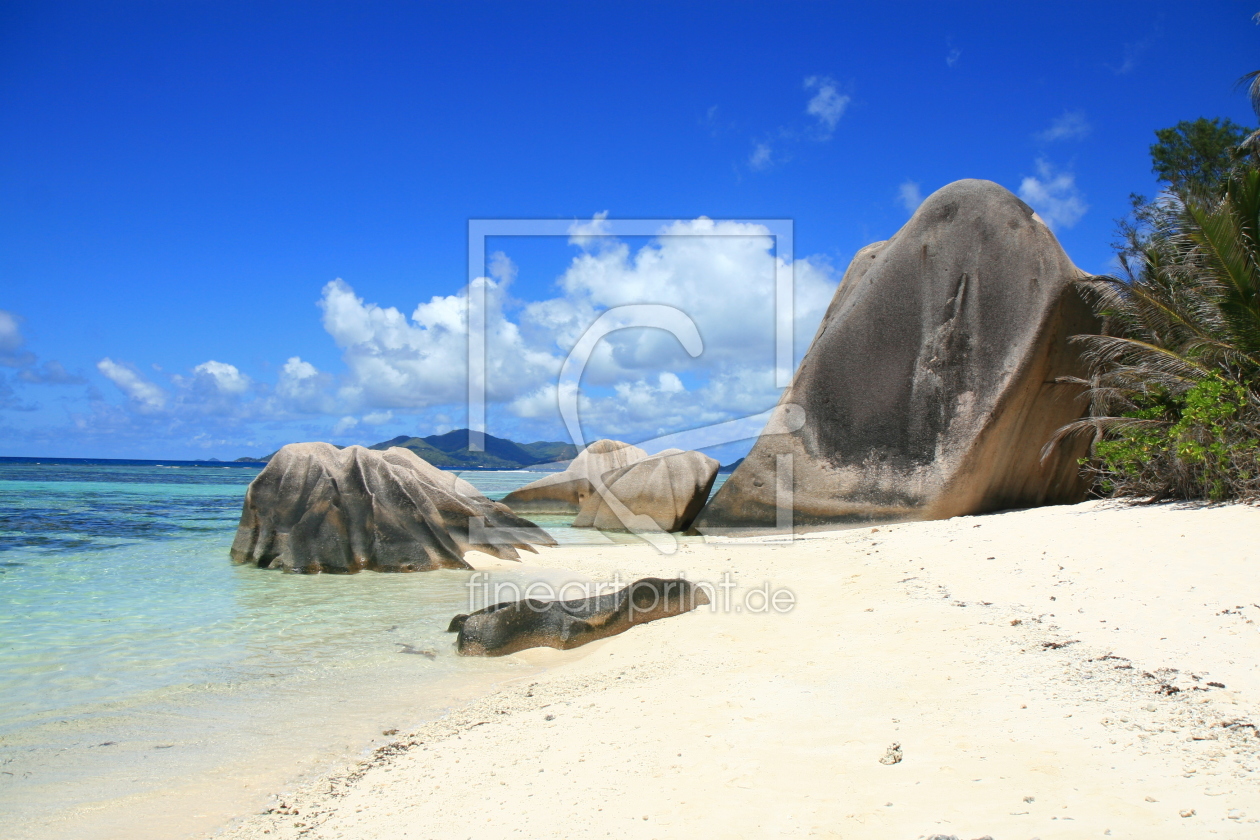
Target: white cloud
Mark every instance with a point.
(721, 274)
(639, 383)
(669, 383)
(581, 233)
(951, 57)
(418, 362)
(1071, 125)
(350, 422)
(223, 377)
(760, 158)
(1054, 195)
(910, 195)
(142, 392)
(296, 371)
(827, 104)
(543, 403)
(302, 388)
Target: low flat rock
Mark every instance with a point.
(563, 493)
(930, 387)
(671, 487)
(316, 508)
(516, 625)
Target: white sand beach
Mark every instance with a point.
(1076, 671)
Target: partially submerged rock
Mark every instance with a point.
(929, 390)
(563, 493)
(670, 487)
(516, 625)
(315, 508)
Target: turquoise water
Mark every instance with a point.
(136, 661)
(134, 654)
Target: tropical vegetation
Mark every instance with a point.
(1174, 382)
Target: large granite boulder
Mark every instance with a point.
(929, 390)
(563, 493)
(316, 508)
(516, 625)
(670, 487)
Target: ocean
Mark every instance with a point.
(151, 688)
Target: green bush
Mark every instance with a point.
(1174, 383)
(1195, 446)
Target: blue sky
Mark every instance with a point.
(218, 221)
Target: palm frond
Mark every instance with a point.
(1184, 318)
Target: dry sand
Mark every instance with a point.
(1081, 671)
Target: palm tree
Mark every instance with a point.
(1174, 386)
(1252, 81)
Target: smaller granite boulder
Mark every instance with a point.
(516, 625)
(563, 493)
(316, 508)
(671, 487)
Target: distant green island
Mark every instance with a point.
(451, 451)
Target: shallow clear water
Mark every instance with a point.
(137, 661)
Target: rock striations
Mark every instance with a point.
(316, 508)
(517, 625)
(670, 487)
(563, 493)
(929, 390)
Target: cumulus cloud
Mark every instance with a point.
(640, 382)
(414, 363)
(910, 195)
(143, 393)
(1054, 195)
(637, 381)
(721, 274)
(302, 388)
(214, 388)
(222, 377)
(827, 104)
(1071, 125)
